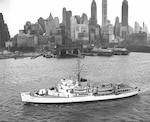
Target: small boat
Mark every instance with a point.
(48, 55)
(78, 90)
(120, 51)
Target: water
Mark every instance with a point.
(25, 74)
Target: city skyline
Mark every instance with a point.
(16, 12)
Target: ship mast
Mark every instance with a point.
(79, 67)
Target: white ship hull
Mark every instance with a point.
(26, 97)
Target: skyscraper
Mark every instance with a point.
(104, 13)
(93, 13)
(84, 19)
(136, 27)
(125, 13)
(66, 18)
(117, 27)
(4, 33)
(68, 15)
(50, 25)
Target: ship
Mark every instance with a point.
(78, 90)
(48, 55)
(120, 51)
(102, 52)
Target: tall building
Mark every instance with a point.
(56, 19)
(117, 28)
(125, 13)
(68, 15)
(130, 29)
(4, 33)
(84, 19)
(41, 21)
(136, 27)
(78, 19)
(145, 28)
(104, 13)
(50, 26)
(108, 32)
(36, 29)
(79, 31)
(93, 13)
(27, 26)
(66, 18)
(73, 24)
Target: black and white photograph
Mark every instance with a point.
(74, 61)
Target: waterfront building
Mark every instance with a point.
(93, 13)
(14, 40)
(26, 40)
(50, 26)
(21, 40)
(8, 44)
(139, 39)
(136, 27)
(104, 13)
(125, 13)
(4, 33)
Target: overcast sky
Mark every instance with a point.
(17, 12)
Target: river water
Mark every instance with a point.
(27, 74)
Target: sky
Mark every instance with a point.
(17, 12)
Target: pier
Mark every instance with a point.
(68, 50)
